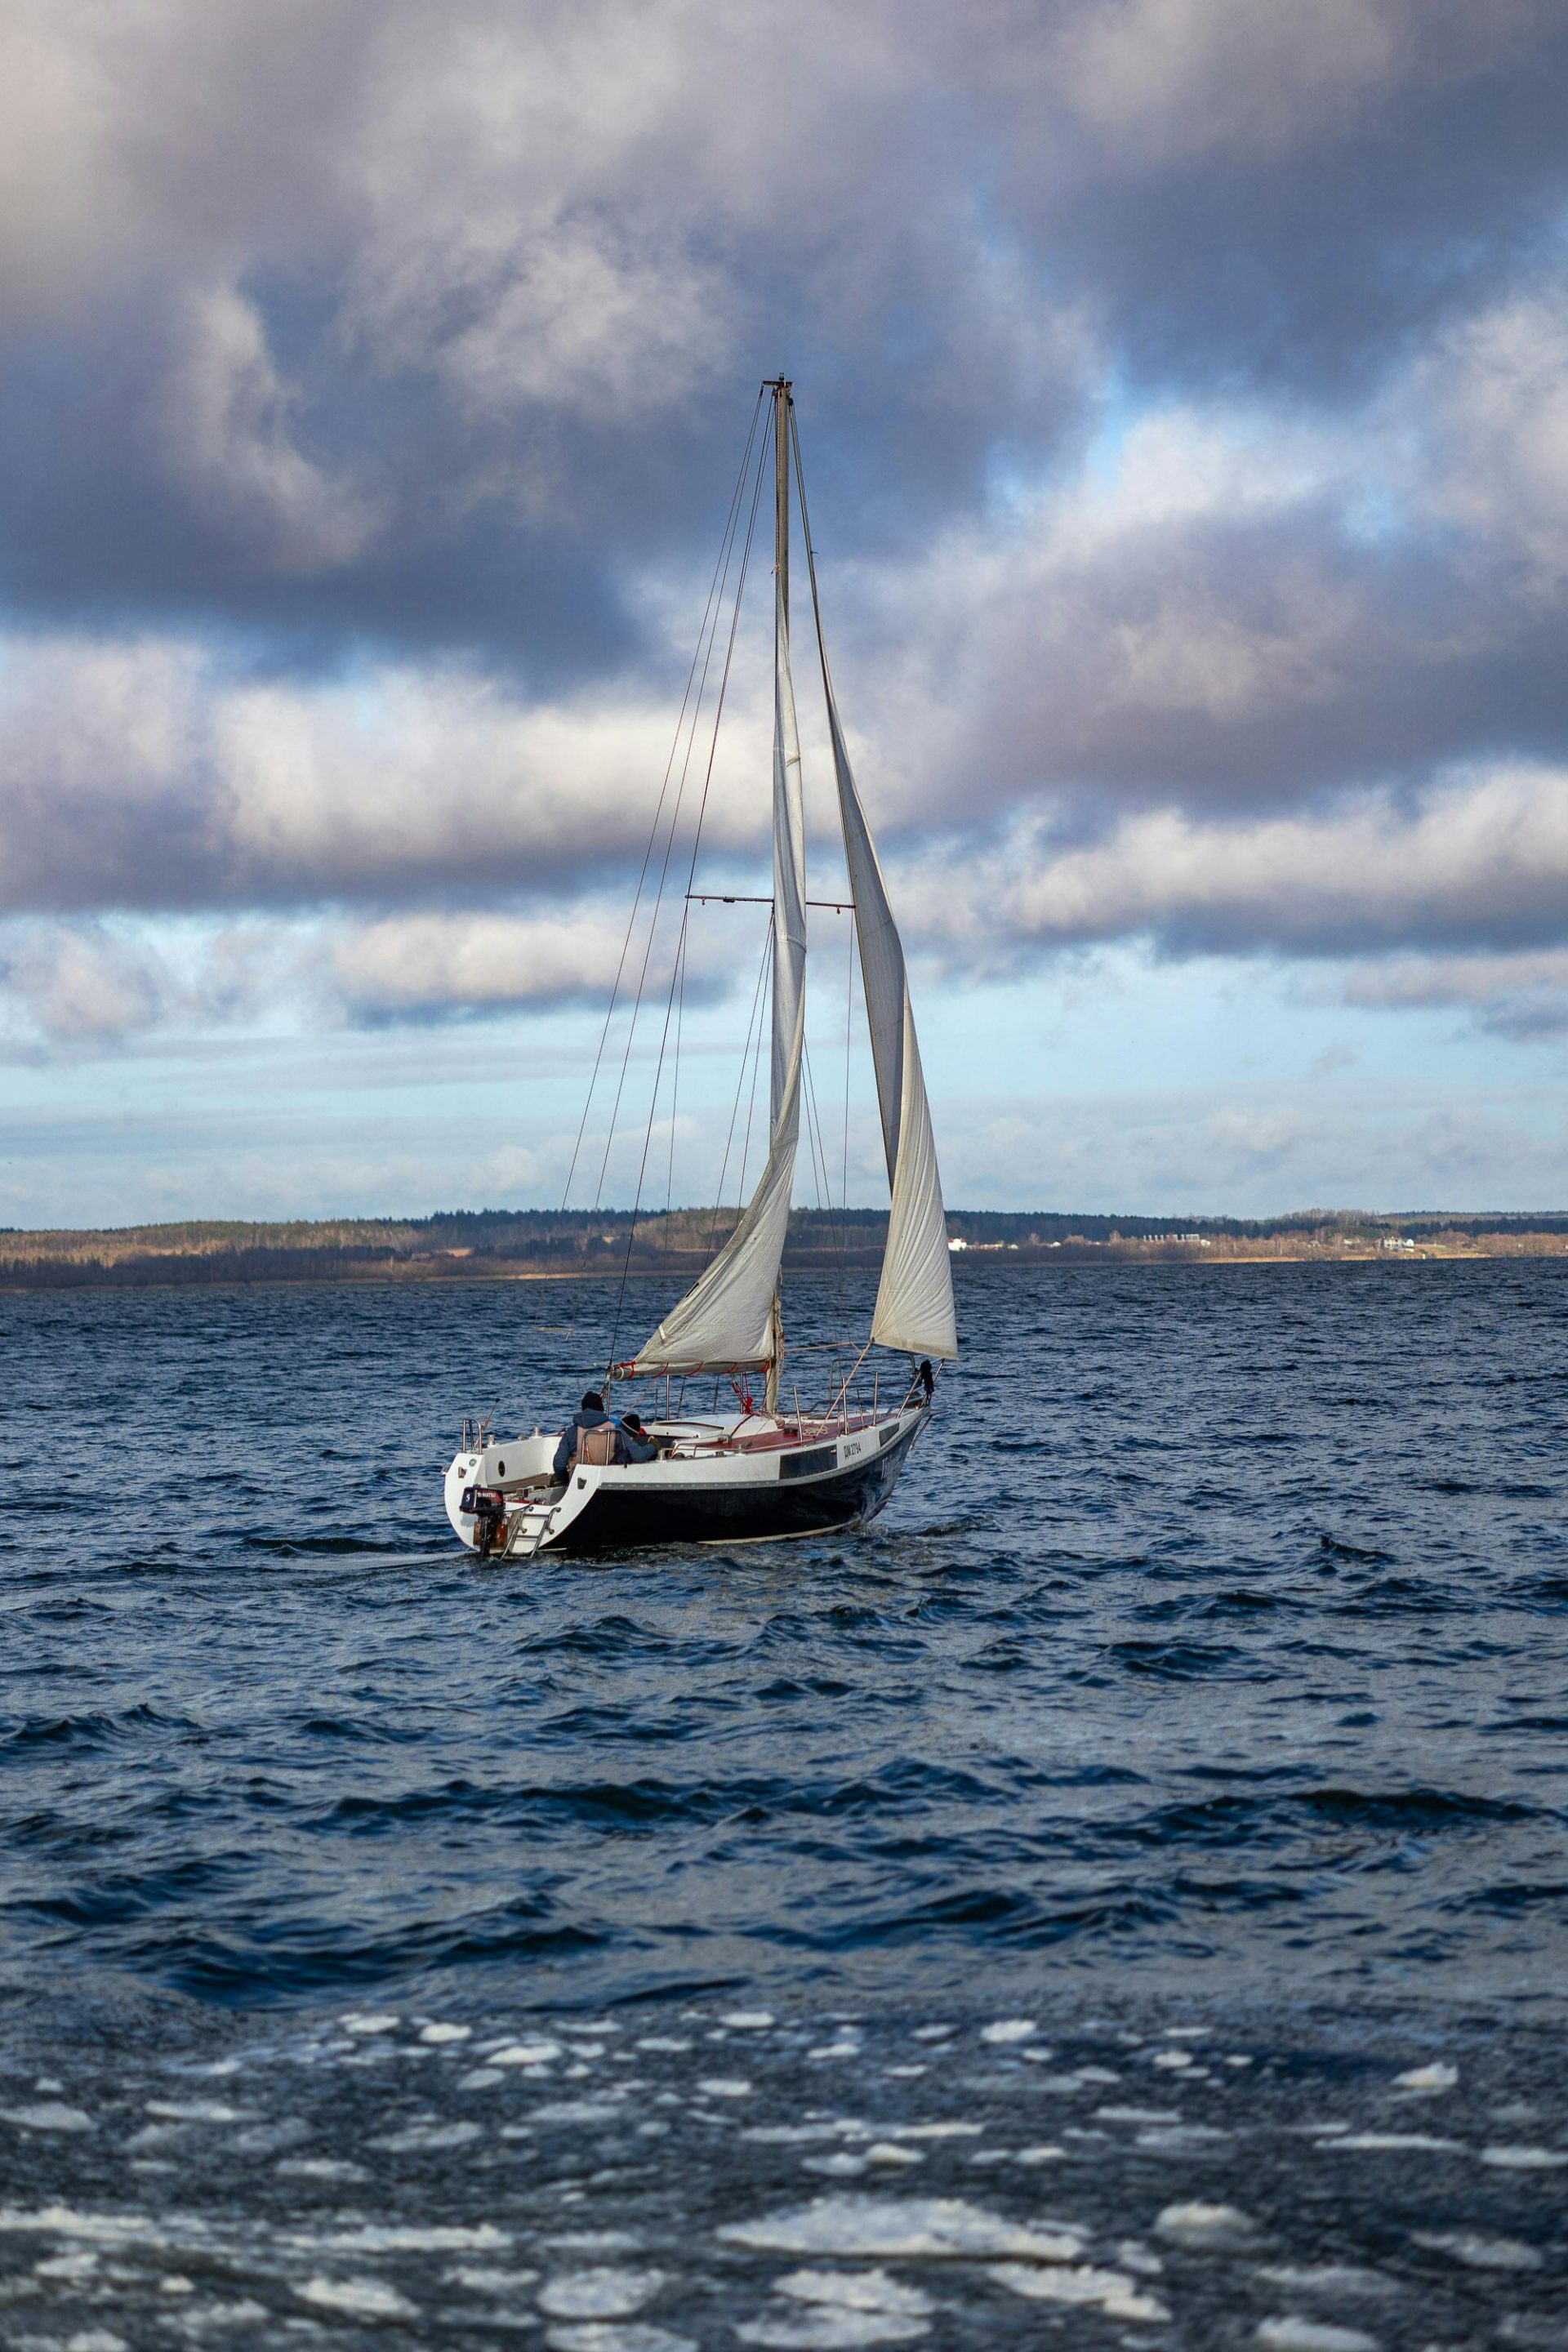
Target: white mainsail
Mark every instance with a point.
(914, 1309)
(728, 1318)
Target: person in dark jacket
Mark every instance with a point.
(638, 1445)
(590, 1414)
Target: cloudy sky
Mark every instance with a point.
(1184, 390)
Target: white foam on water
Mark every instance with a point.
(490, 2282)
(1138, 2115)
(1133, 2255)
(48, 2116)
(837, 2168)
(1331, 2279)
(936, 2131)
(108, 2229)
(604, 2293)
(905, 2073)
(593, 2241)
(524, 2053)
(662, 2041)
(724, 2086)
(1238, 2058)
(1391, 2140)
(887, 2152)
(1479, 2253)
(1291, 2334)
(748, 2020)
(1188, 2032)
(832, 2331)
(1092, 2074)
(198, 2111)
(1200, 2225)
(1009, 2029)
(357, 2298)
(1435, 2077)
(900, 2229)
(439, 2033)
(198, 2318)
(857, 2291)
(400, 2238)
(175, 2282)
(67, 2267)
(369, 2024)
(933, 2034)
(597, 2335)
(96, 2339)
(428, 2136)
(321, 2168)
(1173, 2061)
(1111, 2292)
(1179, 2139)
(158, 2134)
(480, 2078)
(1524, 2159)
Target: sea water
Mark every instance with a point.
(1117, 1897)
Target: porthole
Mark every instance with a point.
(501, 1469)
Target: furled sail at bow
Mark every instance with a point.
(728, 1319)
(914, 1308)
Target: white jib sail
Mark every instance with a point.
(914, 1298)
(726, 1319)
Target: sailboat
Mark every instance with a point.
(753, 1473)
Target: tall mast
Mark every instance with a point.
(781, 494)
(781, 666)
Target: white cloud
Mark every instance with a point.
(140, 774)
(1482, 860)
(227, 431)
(1496, 392)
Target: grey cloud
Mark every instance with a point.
(371, 374)
(502, 275)
(1521, 997)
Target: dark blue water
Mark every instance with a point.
(1206, 1671)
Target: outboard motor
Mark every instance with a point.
(490, 1518)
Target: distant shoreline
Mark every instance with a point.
(537, 1245)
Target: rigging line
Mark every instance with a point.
(750, 1110)
(814, 1129)
(764, 965)
(691, 868)
(844, 1187)
(704, 635)
(674, 825)
(647, 1142)
(675, 1079)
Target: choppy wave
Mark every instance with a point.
(1216, 1635)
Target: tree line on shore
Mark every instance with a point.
(456, 1245)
